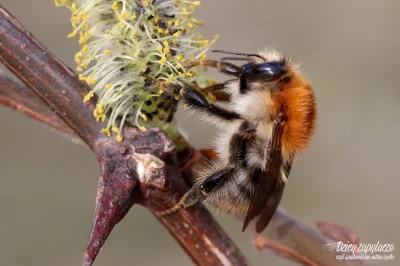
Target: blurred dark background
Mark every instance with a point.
(348, 49)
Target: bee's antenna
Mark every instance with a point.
(235, 58)
(236, 53)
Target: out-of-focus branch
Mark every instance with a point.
(282, 251)
(141, 169)
(17, 96)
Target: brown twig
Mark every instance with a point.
(283, 251)
(157, 185)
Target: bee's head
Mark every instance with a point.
(263, 72)
(264, 68)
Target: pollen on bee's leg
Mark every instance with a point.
(191, 197)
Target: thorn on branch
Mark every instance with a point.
(124, 166)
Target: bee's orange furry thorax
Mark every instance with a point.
(297, 101)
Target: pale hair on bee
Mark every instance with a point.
(271, 118)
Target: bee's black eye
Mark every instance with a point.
(266, 71)
(271, 69)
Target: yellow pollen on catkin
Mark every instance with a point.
(100, 107)
(163, 60)
(106, 131)
(117, 47)
(82, 40)
(167, 49)
(72, 34)
(88, 96)
(195, 21)
(115, 6)
(74, 9)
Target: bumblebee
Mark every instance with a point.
(271, 119)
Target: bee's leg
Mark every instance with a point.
(199, 192)
(212, 88)
(191, 197)
(215, 180)
(217, 90)
(223, 67)
(211, 183)
(195, 99)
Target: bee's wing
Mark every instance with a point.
(269, 188)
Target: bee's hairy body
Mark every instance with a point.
(271, 118)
